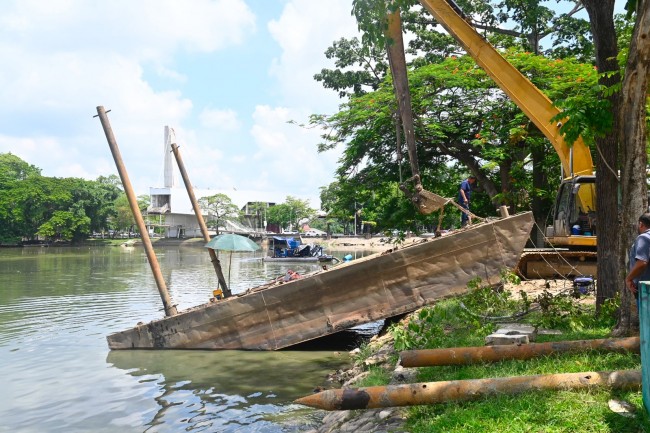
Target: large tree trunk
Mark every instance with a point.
(632, 118)
(601, 15)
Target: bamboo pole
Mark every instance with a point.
(462, 390)
(471, 355)
(170, 309)
(204, 229)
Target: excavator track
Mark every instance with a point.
(536, 263)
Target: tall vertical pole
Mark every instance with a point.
(204, 229)
(170, 309)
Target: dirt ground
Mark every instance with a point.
(376, 244)
(533, 288)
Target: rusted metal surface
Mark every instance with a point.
(472, 355)
(545, 263)
(170, 309)
(199, 217)
(459, 390)
(361, 291)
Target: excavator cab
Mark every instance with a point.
(574, 214)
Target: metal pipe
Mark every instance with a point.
(170, 309)
(199, 217)
(471, 355)
(462, 390)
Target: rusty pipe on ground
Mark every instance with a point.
(170, 309)
(462, 390)
(471, 355)
(199, 217)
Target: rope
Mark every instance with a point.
(466, 211)
(559, 254)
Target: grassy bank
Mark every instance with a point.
(458, 322)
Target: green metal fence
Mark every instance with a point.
(644, 324)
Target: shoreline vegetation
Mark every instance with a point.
(461, 322)
(375, 244)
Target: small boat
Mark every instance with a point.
(291, 249)
(281, 314)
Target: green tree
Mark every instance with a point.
(258, 210)
(358, 70)
(66, 225)
(96, 198)
(122, 219)
(462, 121)
(533, 22)
(290, 213)
(12, 168)
(219, 208)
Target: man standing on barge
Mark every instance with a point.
(464, 194)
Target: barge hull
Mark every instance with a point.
(364, 290)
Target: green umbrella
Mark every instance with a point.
(232, 242)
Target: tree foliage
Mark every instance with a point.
(464, 123)
(65, 209)
(290, 213)
(220, 208)
(13, 168)
(467, 127)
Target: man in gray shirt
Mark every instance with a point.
(640, 256)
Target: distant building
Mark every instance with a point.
(174, 209)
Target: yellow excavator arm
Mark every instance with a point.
(528, 98)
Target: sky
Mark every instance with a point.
(227, 75)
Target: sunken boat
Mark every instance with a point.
(279, 315)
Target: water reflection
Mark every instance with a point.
(227, 390)
(58, 304)
(258, 376)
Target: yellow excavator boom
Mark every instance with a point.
(528, 98)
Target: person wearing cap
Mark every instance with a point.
(464, 194)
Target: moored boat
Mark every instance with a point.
(291, 249)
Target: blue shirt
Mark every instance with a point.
(641, 251)
(467, 187)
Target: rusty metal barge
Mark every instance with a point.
(376, 287)
(279, 315)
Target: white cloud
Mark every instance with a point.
(304, 31)
(221, 119)
(62, 58)
(303, 42)
(290, 154)
(147, 29)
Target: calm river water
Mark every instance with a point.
(57, 375)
